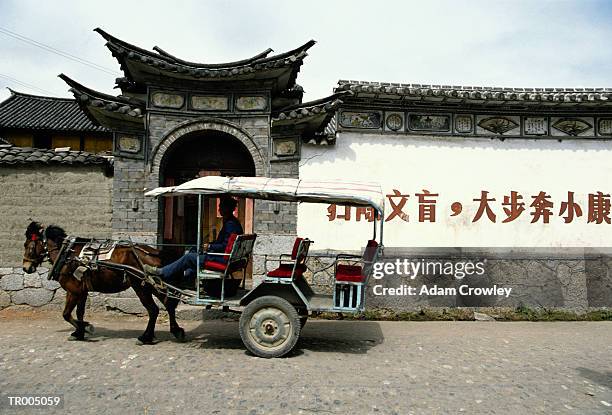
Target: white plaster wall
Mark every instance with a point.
(458, 169)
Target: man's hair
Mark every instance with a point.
(229, 202)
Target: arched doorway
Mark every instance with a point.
(197, 154)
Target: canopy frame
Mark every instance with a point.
(348, 193)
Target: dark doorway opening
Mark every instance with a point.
(209, 153)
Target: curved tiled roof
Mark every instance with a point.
(128, 54)
(44, 113)
(305, 109)
(477, 94)
(11, 155)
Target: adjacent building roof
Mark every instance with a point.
(24, 111)
(159, 67)
(447, 94)
(11, 155)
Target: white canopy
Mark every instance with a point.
(292, 190)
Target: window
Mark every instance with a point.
(42, 141)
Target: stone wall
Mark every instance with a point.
(77, 198)
(560, 278)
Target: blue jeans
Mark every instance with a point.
(185, 266)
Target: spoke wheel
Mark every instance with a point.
(269, 326)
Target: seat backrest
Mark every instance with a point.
(230, 243)
(370, 255)
(296, 247)
(300, 250)
(370, 251)
(242, 248)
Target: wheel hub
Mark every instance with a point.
(270, 327)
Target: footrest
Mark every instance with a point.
(209, 275)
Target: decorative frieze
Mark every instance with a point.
(129, 145)
(535, 126)
(394, 121)
(476, 124)
(498, 125)
(167, 100)
(464, 124)
(604, 126)
(209, 103)
(429, 122)
(366, 120)
(571, 126)
(285, 147)
(251, 103)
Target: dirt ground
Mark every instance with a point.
(338, 367)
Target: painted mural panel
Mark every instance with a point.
(472, 192)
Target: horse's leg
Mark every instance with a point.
(71, 302)
(146, 298)
(80, 313)
(171, 303)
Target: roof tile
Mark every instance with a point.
(44, 113)
(25, 155)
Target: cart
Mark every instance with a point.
(274, 312)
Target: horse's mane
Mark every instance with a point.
(55, 233)
(33, 229)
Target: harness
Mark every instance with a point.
(94, 255)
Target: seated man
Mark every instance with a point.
(178, 268)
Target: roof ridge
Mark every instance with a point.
(23, 94)
(578, 89)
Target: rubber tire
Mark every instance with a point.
(265, 302)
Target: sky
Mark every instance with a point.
(518, 43)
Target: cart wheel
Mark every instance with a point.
(269, 326)
(303, 321)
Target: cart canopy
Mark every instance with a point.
(290, 190)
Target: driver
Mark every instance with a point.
(187, 262)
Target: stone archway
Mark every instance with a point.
(202, 125)
(193, 150)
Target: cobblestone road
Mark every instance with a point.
(339, 367)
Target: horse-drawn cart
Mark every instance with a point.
(274, 311)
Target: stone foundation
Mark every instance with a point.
(576, 280)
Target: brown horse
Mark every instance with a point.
(45, 244)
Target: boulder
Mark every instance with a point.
(5, 299)
(11, 282)
(32, 280)
(35, 297)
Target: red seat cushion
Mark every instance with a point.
(349, 273)
(284, 271)
(214, 266)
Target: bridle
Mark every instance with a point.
(45, 253)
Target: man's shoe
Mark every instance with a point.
(151, 270)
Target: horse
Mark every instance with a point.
(46, 244)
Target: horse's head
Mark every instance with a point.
(35, 249)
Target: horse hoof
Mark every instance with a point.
(146, 339)
(77, 336)
(179, 334)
